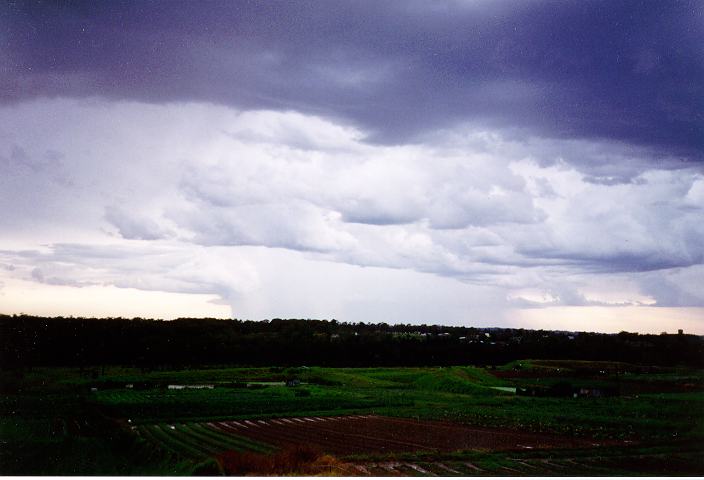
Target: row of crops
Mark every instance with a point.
(636, 463)
(204, 439)
(372, 435)
(197, 440)
(155, 405)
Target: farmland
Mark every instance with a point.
(350, 434)
(355, 421)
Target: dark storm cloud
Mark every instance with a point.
(625, 71)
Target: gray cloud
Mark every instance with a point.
(619, 71)
(565, 295)
(166, 197)
(134, 226)
(676, 288)
(174, 268)
(38, 275)
(488, 155)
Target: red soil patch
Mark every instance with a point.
(375, 434)
(299, 460)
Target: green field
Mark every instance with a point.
(107, 421)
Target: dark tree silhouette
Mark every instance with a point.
(34, 341)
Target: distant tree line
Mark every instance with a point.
(27, 341)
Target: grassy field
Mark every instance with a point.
(106, 420)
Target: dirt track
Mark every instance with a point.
(375, 434)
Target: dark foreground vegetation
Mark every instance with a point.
(468, 403)
(37, 341)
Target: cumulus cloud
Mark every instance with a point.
(174, 268)
(295, 225)
(134, 226)
(171, 198)
(491, 154)
(645, 225)
(675, 288)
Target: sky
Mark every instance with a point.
(533, 164)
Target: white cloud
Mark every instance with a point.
(105, 301)
(134, 226)
(169, 198)
(174, 268)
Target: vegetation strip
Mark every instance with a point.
(185, 436)
(228, 442)
(149, 436)
(170, 440)
(242, 440)
(215, 444)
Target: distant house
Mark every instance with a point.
(195, 387)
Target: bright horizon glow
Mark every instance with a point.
(19, 297)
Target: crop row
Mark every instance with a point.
(200, 440)
(352, 434)
(551, 463)
(450, 468)
(227, 403)
(197, 440)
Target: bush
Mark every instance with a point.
(207, 468)
(295, 460)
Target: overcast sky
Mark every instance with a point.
(488, 163)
